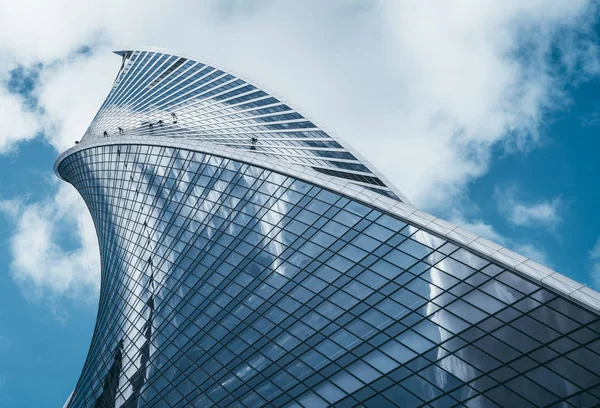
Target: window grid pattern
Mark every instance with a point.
(160, 94)
(225, 284)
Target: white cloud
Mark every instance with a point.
(436, 84)
(545, 213)
(17, 123)
(487, 231)
(595, 260)
(533, 252)
(67, 111)
(481, 228)
(424, 89)
(54, 247)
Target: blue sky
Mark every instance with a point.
(564, 167)
(485, 113)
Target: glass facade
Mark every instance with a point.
(229, 283)
(157, 94)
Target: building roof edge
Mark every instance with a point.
(546, 277)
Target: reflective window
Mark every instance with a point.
(224, 283)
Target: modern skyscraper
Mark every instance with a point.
(249, 258)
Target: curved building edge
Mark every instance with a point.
(546, 277)
(333, 135)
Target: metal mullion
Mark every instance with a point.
(147, 93)
(246, 110)
(206, 70)
(125, 80)
(222, 102)
(208, 221)
(140, 67)
(168, 83)
(172, 86)
(183, 100)
(149, 72)
(122, 77)
(215, 240)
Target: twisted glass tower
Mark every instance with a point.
(251, 259)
